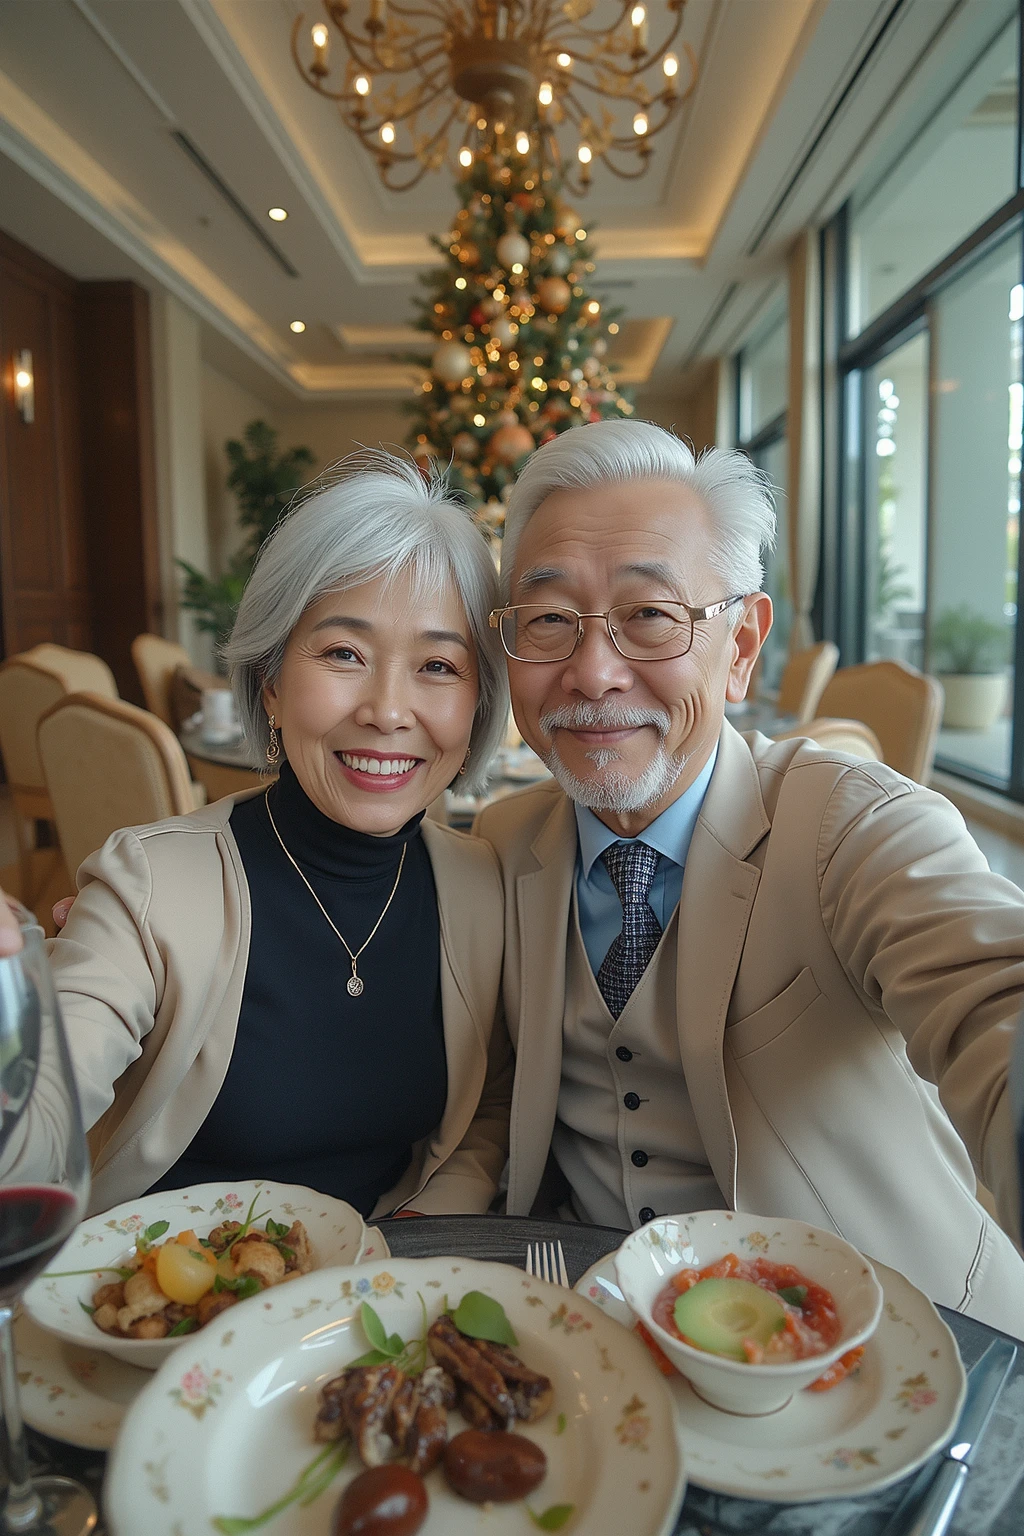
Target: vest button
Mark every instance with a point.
(646, 1214)
(632, 1101)
(639, 1159)
(623, 1053)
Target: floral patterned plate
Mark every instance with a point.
(81, 1395)
(886, 1418)
(225, 1427)
(58, 1300)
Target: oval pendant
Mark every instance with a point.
(355, 986)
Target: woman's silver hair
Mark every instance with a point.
(737, 496)
(374, 517)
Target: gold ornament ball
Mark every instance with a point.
(511, 443)
(521, 297)
(466, 445)
(469, 254)
(452, 362)
(507, 418)
(560, 260)
(503, 331)
(553, 294)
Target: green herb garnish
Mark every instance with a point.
(145, 1240)
(796, 1295)
(560, 1424)
(243, 1287)
(89, 1310)
(553, 1518)
(309, 1485)
(481, 1317)
(187, 1325)
(97, 1269)
(390, 1348)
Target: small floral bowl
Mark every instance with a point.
(60, 1300)
(650, 1257)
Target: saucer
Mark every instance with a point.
(885, 1419)
(81, 1395)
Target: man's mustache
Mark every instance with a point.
(606, 717)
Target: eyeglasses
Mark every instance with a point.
(646, 631)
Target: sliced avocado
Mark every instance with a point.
(717, 1315)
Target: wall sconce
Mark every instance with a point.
(24, 386)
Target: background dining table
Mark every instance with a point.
(992, 1505)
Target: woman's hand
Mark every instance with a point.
(62, 910)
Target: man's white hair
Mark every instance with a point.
(736, 495)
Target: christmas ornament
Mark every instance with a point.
(492, 307)
(600, 347)
(507, 419)
(591, 368)
(469, 254)
(452, 362)
(466, 445)
(477, 315)
(503, 331)
(511, 443)
(513, 250)
(521, 298)
(560, 260)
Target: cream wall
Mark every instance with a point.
(332, 431)
(227, 409)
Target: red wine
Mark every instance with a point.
(35, 1220)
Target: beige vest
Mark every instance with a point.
(626, 1137)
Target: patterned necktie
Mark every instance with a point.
(632, 867)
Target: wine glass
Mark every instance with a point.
(44, 1186)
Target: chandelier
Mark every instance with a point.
(426, 83)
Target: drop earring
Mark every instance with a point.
(274, 744)
(465, 761)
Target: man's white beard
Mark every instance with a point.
(613, 791)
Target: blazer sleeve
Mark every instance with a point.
(108, 973)
(935, 940)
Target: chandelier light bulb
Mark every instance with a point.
(387, 133)
(545, 95)
(640, 123)
(670, 64)
(564, 60)
(638, 15)
(319, 36)
(298, 326)
(523, 143)
(584, 154)
(465, 155)
(277, 214)
(362, 85)
(23, 378)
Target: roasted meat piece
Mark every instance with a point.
(531, 1392)
(470, 1368)
(428, 1435)
(390, 1416)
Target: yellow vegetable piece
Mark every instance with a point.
(185, 1274)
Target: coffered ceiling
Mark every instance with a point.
(149, 138)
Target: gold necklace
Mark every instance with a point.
(354, 985)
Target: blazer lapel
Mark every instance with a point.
(714, 912)
(543, 898)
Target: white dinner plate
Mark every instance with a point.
(886, 1418)
(58, 1299)
(225, 1427)
(81, 1395)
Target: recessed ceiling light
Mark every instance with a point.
(277, 214)
(298, 326)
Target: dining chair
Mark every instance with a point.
(27, 691)
(900, 704)
(850, 736)
(156, 661)
(78, 671)
(804, 678)
(109, 764)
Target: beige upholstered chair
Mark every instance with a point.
(851, 736)
(27, 691)
(901, 705)
(109, 764)
(804, 678)
(78, 671)
(156, 661)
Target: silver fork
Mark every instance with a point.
(547, 1262)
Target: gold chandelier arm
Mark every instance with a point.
(566, 29)
(386, 161)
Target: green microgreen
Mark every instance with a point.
(97, 1269)
(560, 1424)
(243, 1287)
(795, 1295)
(309, 1485)
(481, 1317)
(248, 1222)
(146, 1239)
(89, 1310)
(390, 1348)
(187, 1325)
(552, 1518)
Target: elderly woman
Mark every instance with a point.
(301, 983)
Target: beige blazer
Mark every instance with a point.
(842, 947)
(150, 971)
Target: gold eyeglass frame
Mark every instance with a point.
(695, 615)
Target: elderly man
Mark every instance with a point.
(736, 971)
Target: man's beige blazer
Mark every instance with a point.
(841, 940)
(150, 971)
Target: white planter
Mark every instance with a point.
(974, 701)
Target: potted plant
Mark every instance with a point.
(969, 654)
(264, 481)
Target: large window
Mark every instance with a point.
(924, 553)
(762, 374)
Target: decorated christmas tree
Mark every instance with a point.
(521, 342)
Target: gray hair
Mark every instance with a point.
(737, 496)
(375, 517)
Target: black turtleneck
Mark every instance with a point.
(324, 1089)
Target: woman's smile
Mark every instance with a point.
(378, 772)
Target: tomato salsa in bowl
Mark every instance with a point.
(750, 1309)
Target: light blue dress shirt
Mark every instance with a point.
(669, 834)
